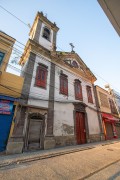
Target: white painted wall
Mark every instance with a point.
(64, 111)
(38, 92)
(63, 115)
(93, 123)
(71, 93)
(44, 42)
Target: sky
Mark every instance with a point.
(81, 22)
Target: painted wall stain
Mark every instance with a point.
(67, 129)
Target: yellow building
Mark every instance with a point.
(10, 90)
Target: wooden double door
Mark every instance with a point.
(80, 128)
(35, 138)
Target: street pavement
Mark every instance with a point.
(110, 173)
(99, 161)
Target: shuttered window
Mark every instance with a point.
(63, 84)
(113, 107)
(103, 100)
(78, 90)
(89, 94)
(41, 76)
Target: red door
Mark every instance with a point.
(80, 128)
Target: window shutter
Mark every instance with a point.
(89, 94)
(63, 84)
(78, 90)
(41, 77)
(81, 96)
(37, 83)
(66, 86)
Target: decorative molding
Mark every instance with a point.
(79, 106)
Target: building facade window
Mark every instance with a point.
(89, 94)
(113, 107)
(1, 57)
(63, 84)
(103, 100)
(41, 76)
(78, 90)
(74, 64)
(46, 33)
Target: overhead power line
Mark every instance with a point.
(57, 46)
(39, 98)
(14, 16)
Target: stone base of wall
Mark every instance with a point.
(49, 142)
(96, 137)
(15, 146)
(64, 141)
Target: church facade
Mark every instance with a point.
(58, 105)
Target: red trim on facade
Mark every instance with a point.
(78, 90)
(41, 77)
(63, 84)
(108, 118)
(89, 94)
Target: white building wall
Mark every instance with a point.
(63, 119)
(64, 111)
(44, 42)
(93, 123)
(39, 96)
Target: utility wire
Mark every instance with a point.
(70, 75)
(57, 88)
(29, 27)
(14, 16)
(33, 98)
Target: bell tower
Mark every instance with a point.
(44, 32)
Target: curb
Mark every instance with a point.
(40, 157)
(22, 160)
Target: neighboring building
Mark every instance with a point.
(112, 11)
(10, 89)
(116, 97)
(59, 107)
(109, 115)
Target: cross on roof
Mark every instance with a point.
(72, 46)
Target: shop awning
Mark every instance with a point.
(109, 118)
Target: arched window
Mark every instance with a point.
(74, 64)
(78, 90)
(46, 33)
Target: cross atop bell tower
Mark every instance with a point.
(72, 46)
(44, 32)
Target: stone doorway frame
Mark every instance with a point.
(30, 116)
(80, 107)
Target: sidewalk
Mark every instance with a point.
(7, 160)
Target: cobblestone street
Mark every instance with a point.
(78, 165)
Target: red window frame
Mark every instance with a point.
(41, 76)
(89, 94)
(78, 90)
(63, 84)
